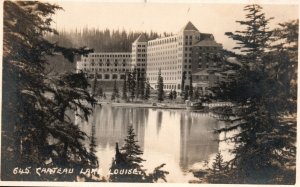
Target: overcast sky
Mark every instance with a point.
(164, 17)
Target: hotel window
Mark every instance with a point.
(106, 76)
(99, 76)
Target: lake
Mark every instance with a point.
(183, 140)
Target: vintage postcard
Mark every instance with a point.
(176, 92)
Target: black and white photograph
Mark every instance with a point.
(177, 92)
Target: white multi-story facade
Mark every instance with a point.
(106, 66)
(172, 56)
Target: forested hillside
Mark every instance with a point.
(100, 40)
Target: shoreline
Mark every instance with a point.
(146, 105)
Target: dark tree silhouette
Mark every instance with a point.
(147, 90)
(171, 95)
(127, 164)
(174, 94)
(36, 130)
(124, 90)
(264, 107)
(160, 87)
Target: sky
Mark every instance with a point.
(169, 17)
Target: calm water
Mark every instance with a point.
(183, 140)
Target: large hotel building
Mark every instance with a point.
(179, 58)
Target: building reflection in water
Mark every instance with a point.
(197, 140)
(178, 138)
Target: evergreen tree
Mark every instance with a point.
(138, 85)
(132, 84)
(31, 120)
(196, 94)
(113, 97)
(174, 94)
(182, 83)
(219, 171)
(100, 91)
(218, 164)
(94, 88)
(132, 150)
(160, 87)
(147, 90)
(264, 109)
(124, 90)
(128, 158)
(115, 93)
(171, 95)
(191, 90)
(186, 93)
(142, 87)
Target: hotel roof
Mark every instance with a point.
(189, 27)
(208, 42)
(141, 38)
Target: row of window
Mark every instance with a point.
(169, 86)
(163, 73)
(165, 78)
(161, 63)
(107, 76)
(109, 55)
(105, 70)
(141, 64)
(166, 52)
(162, 68)
(107, 60)
(162, 58)
(107, 64)
(162, 41)
(162, 47)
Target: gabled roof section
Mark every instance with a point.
(189, 27)
(141, 38)
(204, 36)
(208, 42)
